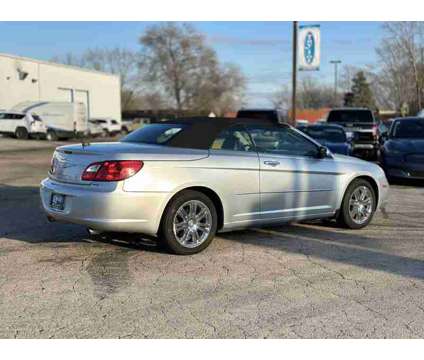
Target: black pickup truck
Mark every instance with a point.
(361, 127)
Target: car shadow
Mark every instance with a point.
(22, 219)
(333, 244)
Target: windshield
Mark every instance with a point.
(326, 134)
(408, 129)
(350, 116)
(257, 114)
(157, 134)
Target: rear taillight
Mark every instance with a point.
(113, 170)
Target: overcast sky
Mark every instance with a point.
(261, 49)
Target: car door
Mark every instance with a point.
(9, 123)
(294, 181)
(233, 168)
(16, 121)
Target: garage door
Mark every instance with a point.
(83, 97)
(64, 94)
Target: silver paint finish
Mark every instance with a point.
(252, 190)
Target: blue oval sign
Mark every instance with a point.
(309, 48)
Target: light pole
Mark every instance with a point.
(294, 74)
(336, 64)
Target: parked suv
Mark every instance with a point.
(361, 127)
(276, 115)
(21, 125)
(110, 126)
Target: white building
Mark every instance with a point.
(24, 79)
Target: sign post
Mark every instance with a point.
(294, 75)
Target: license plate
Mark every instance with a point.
(57, 202)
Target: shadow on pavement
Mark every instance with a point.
(321, 243)
(22, 219)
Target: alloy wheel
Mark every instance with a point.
(192, 223)
(361, 204)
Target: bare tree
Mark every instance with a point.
(401, 55)
(177, 58)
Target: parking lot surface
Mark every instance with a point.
(294, 281)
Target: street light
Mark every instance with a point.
(336, 64)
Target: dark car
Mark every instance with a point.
(332, 136)
(276, 115)
(402, 154)
(361, 126)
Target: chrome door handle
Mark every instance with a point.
(271, 163)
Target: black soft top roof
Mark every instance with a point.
(202, 131)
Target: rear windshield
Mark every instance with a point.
(158, 134)
(326, 134)
(408, 129)
(350, 116)
(260, 114)
(36, 117)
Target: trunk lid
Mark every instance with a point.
(70, 161)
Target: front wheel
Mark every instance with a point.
(21, 133)
(189, 223)
(358, 206)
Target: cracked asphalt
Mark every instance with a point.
(294, 281)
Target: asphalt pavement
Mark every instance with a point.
(296, 281)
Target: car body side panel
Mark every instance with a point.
(298, 185)
(137, 204)
(233, 176)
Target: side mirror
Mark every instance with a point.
(322, 152)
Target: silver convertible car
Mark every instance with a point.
(182, 181)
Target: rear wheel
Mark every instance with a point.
(358, 206)
(21, 133)
(189, 223)
(51, 135)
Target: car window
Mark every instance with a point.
(158, 134)
(258, 114)
(350, 116)
(282, 141)
(235, 139)
(408, 129)
(330, 134)
(114, 122)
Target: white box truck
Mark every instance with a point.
(63, 120)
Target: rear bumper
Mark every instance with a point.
(120, 211)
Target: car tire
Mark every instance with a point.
(21, 133)
(356, 214)
(174, 229)
(51, 135)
